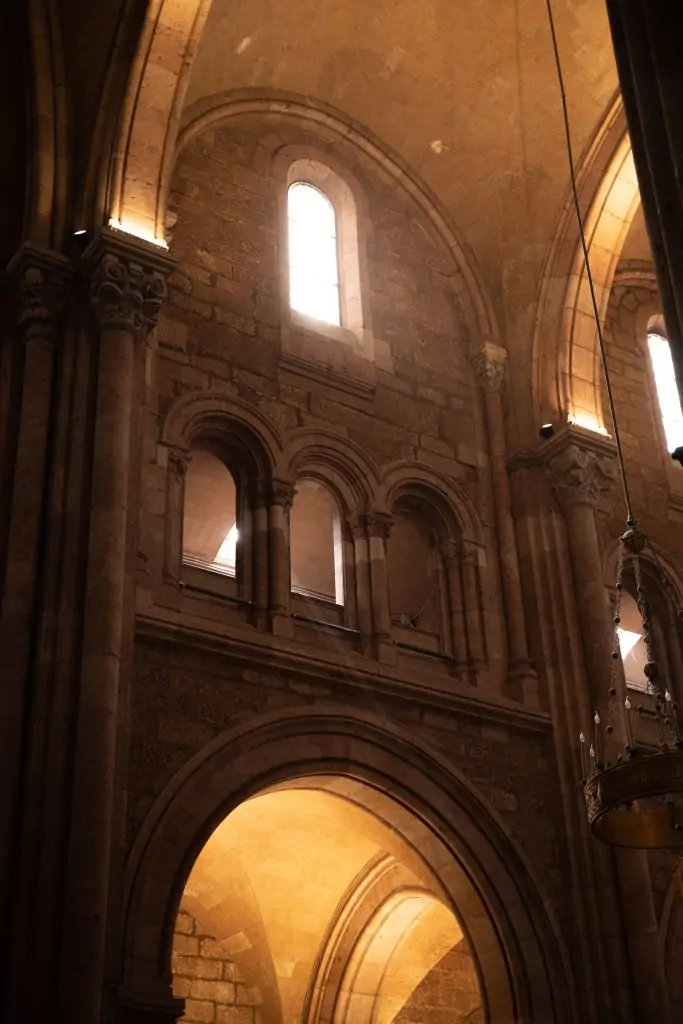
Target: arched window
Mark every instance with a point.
(313, 254)
(316, 544)
(414, 568)
(667, 390)
(210, 528)
(665, 631)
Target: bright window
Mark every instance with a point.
(210, 532)
(667, 391)
(313, 261)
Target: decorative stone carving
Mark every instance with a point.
(128, 282)
(579, 474)
(489, 366)
(42, 278)
(282, 494)
(178, 461)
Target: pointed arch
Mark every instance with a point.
(567, 374)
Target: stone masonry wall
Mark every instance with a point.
(184, 697)
(222, 326)
(210, 983)
(448, 995)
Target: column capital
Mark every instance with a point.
(178, 460)
(489, 365)
(42, 276)
(281, 493)
(580, 465)
(128, 280)
(370, 524)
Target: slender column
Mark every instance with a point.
(457, 615)
(490, 365)
(175, 502)
(472, 607)
(281, 499)
(42, 278)
(581, 466)
(361, 548)
(128, 287)
(260, 585)
(378, 528)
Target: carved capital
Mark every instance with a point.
(579, 475)
(128, 281)
(489, 366)
(379, 525)
(282, 493)
(178, 461)
(42, 278)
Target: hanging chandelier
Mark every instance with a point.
(632, 759)
(632, 762)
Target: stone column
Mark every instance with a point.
(378, 529)
(358, 527)
(42, 278)
(649, 58)
(472, 607)
(490, 365)
(457, 615)
(175, 504)
(128, 282)
(581, 465)
(281, 498)
(259, 554)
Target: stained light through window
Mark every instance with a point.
(667, 391)
(313, 262)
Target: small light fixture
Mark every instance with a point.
(81, 231)
(546, 431)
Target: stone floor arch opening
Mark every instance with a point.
(306, 906)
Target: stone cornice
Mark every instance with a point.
(128, 279)
(273, 654)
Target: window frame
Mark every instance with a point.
(354, 329)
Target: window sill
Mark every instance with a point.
(209, 580)
(326, 354)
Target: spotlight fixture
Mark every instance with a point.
(546, 431)
(677, 455)
(81, 231)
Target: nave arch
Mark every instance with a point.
(457, 849)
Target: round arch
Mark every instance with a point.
(485, 878)
(567, 375)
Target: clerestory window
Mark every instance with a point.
(667, 390)
(314, 286)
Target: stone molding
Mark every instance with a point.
(372, 524)
(282, 493)
(489, 365)
(128, 281)
(42, 278)
(580, 465)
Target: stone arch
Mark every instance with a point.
(314, 114)
(487, 880)
(450, 503)
(199, 412)
(567, 374)
(46, 201)
(339, 463)
(148, 142)
(150, 115)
